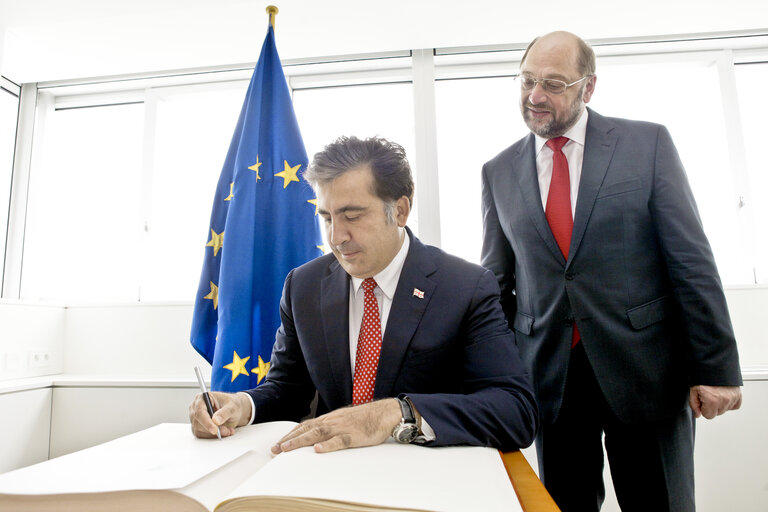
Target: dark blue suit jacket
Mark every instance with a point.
(450, 351)
(640, 280)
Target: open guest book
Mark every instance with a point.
(167, 468)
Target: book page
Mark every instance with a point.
(166, 456)
(210, 489)
(392, 475)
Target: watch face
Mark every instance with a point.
(405, 433)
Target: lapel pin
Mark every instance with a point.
(418, 293)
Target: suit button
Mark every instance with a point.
(569, 276)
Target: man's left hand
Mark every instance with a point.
(711, 401)
(350, 427)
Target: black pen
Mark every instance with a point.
(207, 398)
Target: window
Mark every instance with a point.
(9, 107)
(121, 191)
(696, 121)
(120, 195)
(192, 127)
(140, 182)
(83, 229)
(476, 119)
(326, 113)
(751, 80)
(386, 110)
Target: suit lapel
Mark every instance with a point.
(404, 315)
(528, 180)
(599, 146)
(334, 300)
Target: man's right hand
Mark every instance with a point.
(232, 410)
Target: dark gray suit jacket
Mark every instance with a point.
(640, 281)
(450, 351)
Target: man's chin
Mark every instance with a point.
(350, 268)
(540, 129)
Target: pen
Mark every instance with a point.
(206, 397)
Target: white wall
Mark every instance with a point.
(131, 339)
(748, 307)
(60, 39)
(32, 339)
(153, 339)
(124, 352)
(106, 340)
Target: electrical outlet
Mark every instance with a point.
(39, 358)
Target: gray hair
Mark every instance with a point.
(392, 177)
(585, 60)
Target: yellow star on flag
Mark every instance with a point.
(314, 202)
(237, 366)
(231, 195)
(289, 173)
(255, 167)
(261, 370)
(214, 295)
(321, 247)
(216, 241)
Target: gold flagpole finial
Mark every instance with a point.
(272, 11)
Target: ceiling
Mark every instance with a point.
(45, 40)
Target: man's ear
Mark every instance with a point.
(402, 211)
(589, 89)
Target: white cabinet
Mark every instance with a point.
(731, 456)
(86, 416)
(25, 427)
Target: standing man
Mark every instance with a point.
(610, 284)
(395, 337)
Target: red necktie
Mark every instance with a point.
(558, 210)
(368, 347)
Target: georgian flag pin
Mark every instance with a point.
(418, 293)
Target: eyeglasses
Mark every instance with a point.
(550, 85)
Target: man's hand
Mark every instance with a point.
(350, 427)
(711, 401)
(232, 410)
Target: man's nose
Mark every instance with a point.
(537, 94)
(337, 233)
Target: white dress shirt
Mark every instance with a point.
(386, 284)
(574, 153)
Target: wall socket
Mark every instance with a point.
(39, 358)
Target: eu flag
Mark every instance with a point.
(263, 224)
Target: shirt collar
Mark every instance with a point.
(577, 133)
(387, 279)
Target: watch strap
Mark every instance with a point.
(407, 408)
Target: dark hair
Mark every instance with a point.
(585, 58)
(391, 172)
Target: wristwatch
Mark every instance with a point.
(407, 430)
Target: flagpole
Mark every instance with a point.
(272, 11)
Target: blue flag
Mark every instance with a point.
(263, 224)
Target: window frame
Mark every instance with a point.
(422, 67)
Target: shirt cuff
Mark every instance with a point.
(253, 406)
(427, 434)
